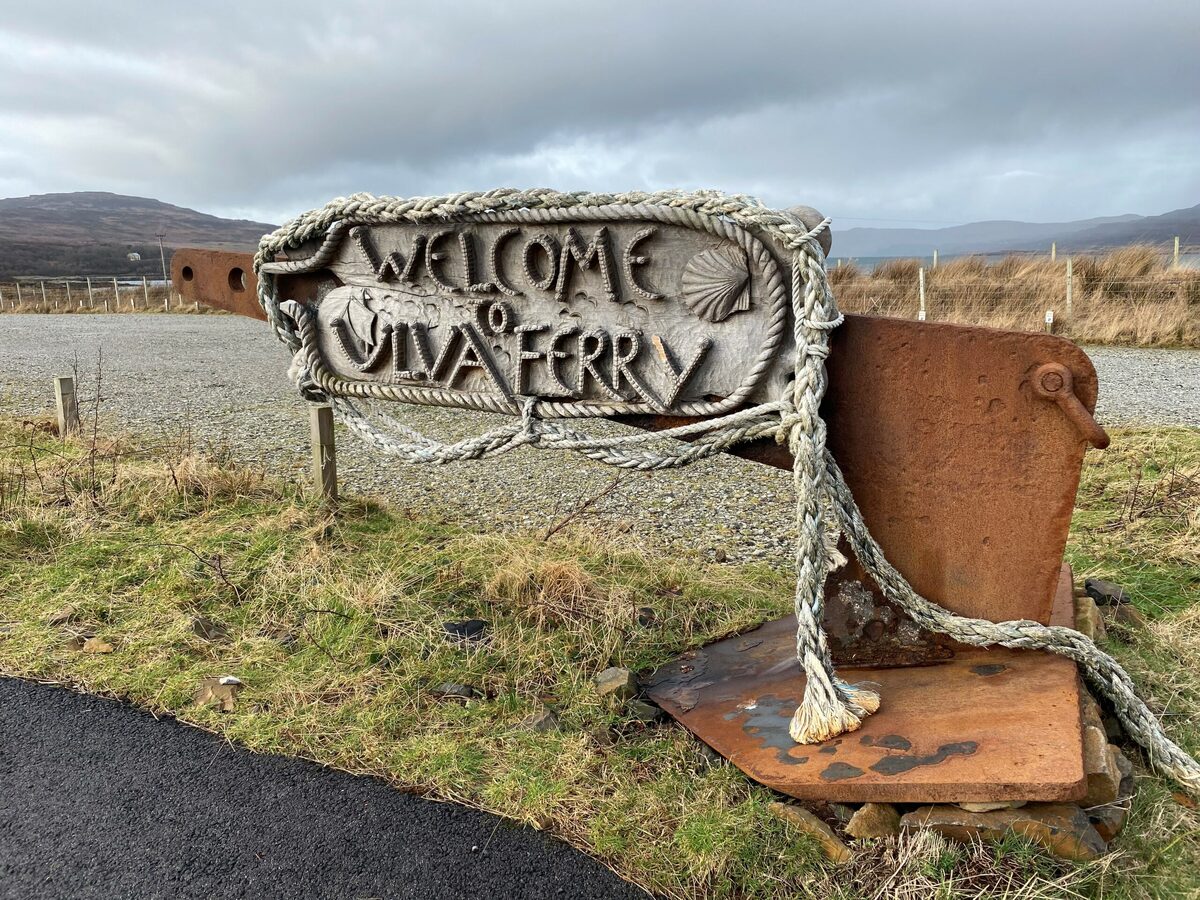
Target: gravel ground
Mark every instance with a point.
(223, 378)
(98, 799)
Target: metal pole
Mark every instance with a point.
(68, 409)
(162, 258)
(324, 456)
(921, 288)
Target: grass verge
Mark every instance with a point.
(189, 567)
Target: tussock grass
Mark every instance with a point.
(333, 620)
(1126, 296)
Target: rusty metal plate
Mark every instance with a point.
(987, 725)
(217, 278)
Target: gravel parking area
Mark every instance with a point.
(223, 379)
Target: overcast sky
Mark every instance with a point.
(876, 113)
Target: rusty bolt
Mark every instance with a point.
(1052, 382)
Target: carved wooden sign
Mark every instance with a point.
(592, 315)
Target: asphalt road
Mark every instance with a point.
(98, 799)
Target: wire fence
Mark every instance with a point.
(94, 293)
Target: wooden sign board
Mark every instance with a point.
(631, 315)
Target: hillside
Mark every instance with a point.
(92, 232)
(1007, 236)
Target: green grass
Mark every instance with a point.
(334, 626)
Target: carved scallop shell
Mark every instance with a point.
(716, 283)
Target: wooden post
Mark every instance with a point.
(91, 299)
(167, 301)
(324, 456)
(1175, 261)
(1070, 286)
(18, 293)
(1050, 321)
(68, 409)
(921, 289)
(1053, 251)
(116, 295)
(146, 291)
(934, 259)
(43, 287)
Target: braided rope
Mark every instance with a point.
(829, 706)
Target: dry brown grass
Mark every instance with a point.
(1126, 296)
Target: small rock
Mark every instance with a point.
(831, 845)
(1100, 764)
(544, 719)
(1126, 617)
(644, 712)
(711, 756)
(1108, 820)
(720, 555)
(1087, 619)
(646, 617)
(96, 645)
(874, 820)
(63, 615)
(449, 690)
(1105, 593)
(991, 805)
(616, 682)
(471, 630)
(221, 690)
(1089, 709)
(208, 629)
(1062, 828)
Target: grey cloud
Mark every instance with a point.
(932, 111)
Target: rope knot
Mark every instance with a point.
(531, 424)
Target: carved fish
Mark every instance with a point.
(716, 283)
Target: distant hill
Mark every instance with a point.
(1006, 236)
(92, 232)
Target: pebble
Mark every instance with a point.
(616, 682)
(831, 845)
(874, 820)
(1105, 593)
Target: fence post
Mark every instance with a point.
(1, 299)
(68, 408)
(324, 455)
(146, 291)
(1053, 251)
(91, 299)
(1175, 261)
(67, 284)
(42, 284)
(921, 290)
(167, 301)
(1050, 321)
(18, 294)
(934, 266)
(1070, 286)
(116, 294)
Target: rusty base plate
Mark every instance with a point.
(988, 725)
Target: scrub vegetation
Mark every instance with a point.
(139, 572)
(1129, 296)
